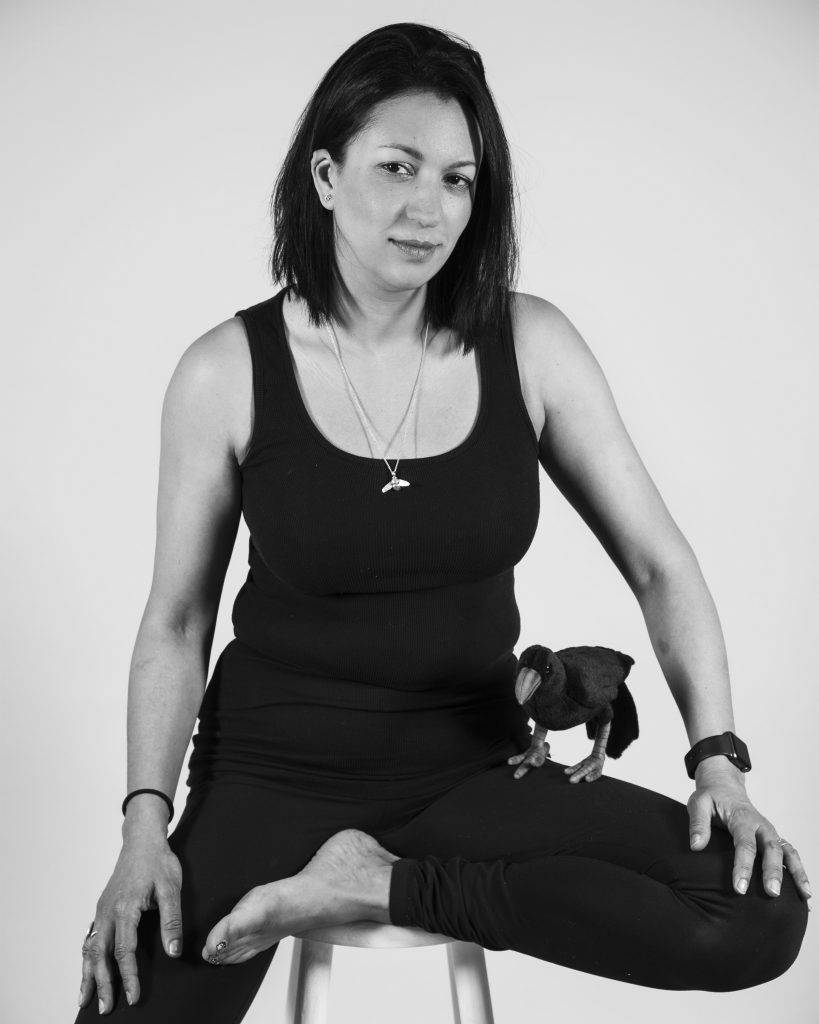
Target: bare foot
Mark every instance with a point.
(347, 879)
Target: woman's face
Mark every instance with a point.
(403, 194)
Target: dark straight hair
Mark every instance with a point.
(470, 293)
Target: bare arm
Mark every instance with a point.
(590, 456)
(587, 452)
(198, 509)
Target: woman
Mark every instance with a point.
(380, 423)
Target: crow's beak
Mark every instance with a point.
(525, 685)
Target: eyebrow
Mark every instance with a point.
(418, 156)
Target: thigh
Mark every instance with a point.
(492, 815)
(231, 837)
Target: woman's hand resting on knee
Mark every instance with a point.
(721, 793)
(147, 875)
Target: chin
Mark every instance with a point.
(408, 277)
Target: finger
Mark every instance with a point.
(87, 985)
(170, 919)
(793, 863)
(744, 854)
(516, 758)
(699, 822)
(771, 859)
(98, 952)
(125, 944)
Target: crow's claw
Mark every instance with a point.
(534, 757)
(590, 768)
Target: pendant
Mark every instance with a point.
(394, 484)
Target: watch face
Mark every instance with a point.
(744, 761)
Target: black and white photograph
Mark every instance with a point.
(411, 506)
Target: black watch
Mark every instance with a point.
(728, 744)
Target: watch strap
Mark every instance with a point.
(726, 743)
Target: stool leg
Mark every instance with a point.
(308, 989)
(471, 1002)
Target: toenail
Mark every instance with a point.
(214, 960)
(221, 946)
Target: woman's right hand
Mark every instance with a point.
(147, 875)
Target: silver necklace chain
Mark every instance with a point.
(395, 483)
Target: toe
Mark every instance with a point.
(216, 944)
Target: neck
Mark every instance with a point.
(386, 323)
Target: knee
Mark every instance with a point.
(755, 940)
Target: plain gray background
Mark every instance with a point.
(667, 159)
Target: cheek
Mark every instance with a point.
(363, 213)
(459, 215)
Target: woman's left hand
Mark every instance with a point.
(721, 793)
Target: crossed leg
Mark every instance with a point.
(597, 877)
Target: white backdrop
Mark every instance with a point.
(667, 157)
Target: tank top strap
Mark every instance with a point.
(269, 354)
(508, 396)
(262, 323)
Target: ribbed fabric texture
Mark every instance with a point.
(375, 631)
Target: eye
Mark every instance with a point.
(459, 182)
(396, 169)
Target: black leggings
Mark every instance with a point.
(595, 876)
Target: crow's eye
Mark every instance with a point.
(548, 669)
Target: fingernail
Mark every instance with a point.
(129, 998)
(775, 886)
(173, 948)
(79, 1001)
(696, 838)
(742, 885)
(806, 887)
(101, 1006)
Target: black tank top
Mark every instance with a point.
(360, 600)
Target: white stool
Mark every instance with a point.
(308, 990)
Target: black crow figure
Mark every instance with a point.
(566, 688)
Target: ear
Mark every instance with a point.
(323, 170)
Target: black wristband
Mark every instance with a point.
(155, 792)
(726, 743)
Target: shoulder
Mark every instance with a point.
(542, 331)
(552, 355)
(212, 381)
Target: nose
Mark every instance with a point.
(424, 206)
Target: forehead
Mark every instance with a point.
(435, 126)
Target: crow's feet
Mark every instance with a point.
(590, 768)
(534, 757)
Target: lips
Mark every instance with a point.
(414, 247)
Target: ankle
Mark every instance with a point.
(376, 898)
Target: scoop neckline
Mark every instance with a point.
(468, 441)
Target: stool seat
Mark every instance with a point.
(308, 989)
(374, 935)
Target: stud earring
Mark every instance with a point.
(328, 197)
